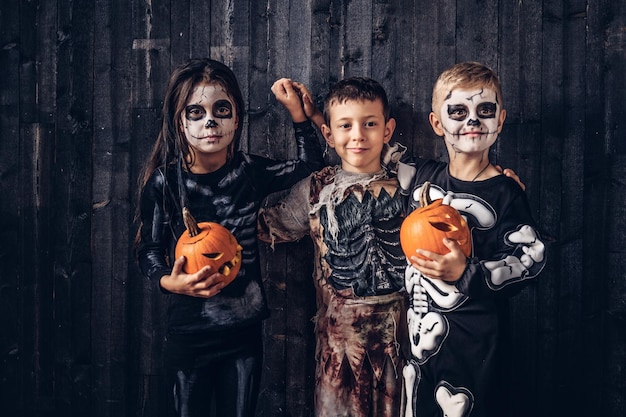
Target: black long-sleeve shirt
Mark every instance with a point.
(232, 197)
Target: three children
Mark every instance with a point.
(353, 213)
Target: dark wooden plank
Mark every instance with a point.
(230, 45)
(152, 64)
(28, 59)
(477, 32)
(321, 29)
(518, 148)
(148, 385)
(604, 310)
(613, 399)
(10, 203)
(183, 27)
(36, 309)
(414, 75)
(357, 39)
(29, 386)
(572, 194)
(269, 130)
(37, 104)
(259, 94)
(299, 329)
(551, 393)
(72, 207)
(200, 28)
(111, 212)
(336, 45)
(151, 52)
(442, 23)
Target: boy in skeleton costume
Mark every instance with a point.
(454, 326)
(353, 213)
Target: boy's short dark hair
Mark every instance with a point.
(356, 89)
(465, 75)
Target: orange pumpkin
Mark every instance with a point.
(211, 244)
(427, 226)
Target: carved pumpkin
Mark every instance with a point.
(427, 226)
(211, 244)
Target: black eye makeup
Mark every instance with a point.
(223, 109)
(457, 111)
(460, 112)
(194, 112)
(486, 110)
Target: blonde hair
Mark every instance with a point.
(466, 75)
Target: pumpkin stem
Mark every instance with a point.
(424, 196)
(190, 223)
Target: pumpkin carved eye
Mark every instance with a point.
(444, 227)
(214, 256)
(209, 244)
(427, 226)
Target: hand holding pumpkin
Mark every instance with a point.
(435, 238)
(205, 283)
(208, 258)
(448, 267)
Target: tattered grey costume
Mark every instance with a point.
(354, 221)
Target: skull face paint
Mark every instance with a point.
(209, 119)
(471, 119)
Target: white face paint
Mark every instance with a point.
(471, 119)
(209, 119)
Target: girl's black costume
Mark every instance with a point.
(206, 333)
(455, 345)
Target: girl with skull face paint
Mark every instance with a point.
(213, 340)
(456, 320)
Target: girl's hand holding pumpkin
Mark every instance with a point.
(448, 267)
(203, 283)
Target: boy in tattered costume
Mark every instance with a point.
(353, 213)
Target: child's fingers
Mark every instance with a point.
(177, 268)
(279, 88)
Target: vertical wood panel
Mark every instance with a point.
(550, 385)
(519, 148)
(357, 39)
(72, 207)
(477, 32)
(604, 279)
(146, 306)
(112, 212)
(35, 284)
(10, 236)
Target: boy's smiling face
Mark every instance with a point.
(358, 131)
(469, 120)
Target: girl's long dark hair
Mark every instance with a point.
(171, 146)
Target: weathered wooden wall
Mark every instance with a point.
(81, 87)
